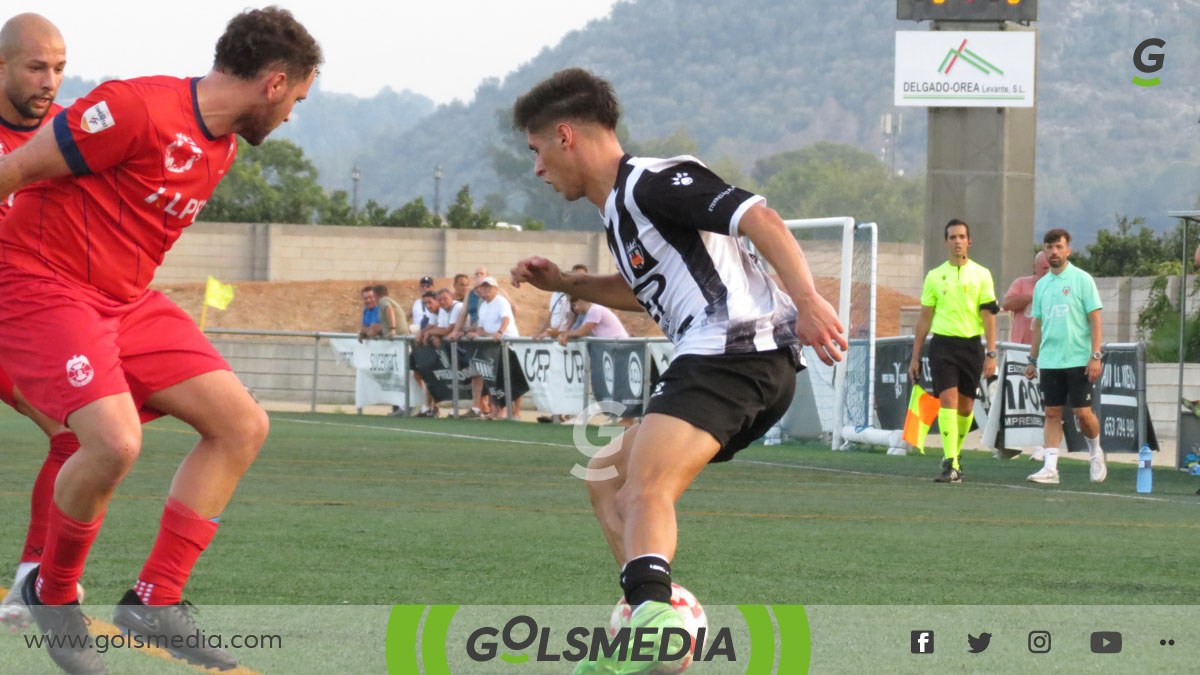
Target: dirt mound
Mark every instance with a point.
(334, 306)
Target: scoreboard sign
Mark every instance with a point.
(966, 10)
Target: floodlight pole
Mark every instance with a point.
(1187, 217)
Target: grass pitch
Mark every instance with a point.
(368, 511)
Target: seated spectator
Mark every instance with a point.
(597, 321)
(496, 320)
(559, 317)
(418, 309)
(391, 315)
(371, 327)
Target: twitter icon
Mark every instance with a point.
(978, 644)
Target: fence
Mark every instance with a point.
(297, 366)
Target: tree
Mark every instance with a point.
(412, 214)
(1122, 252)
(270, 183)
(461, 213)
(830, 179)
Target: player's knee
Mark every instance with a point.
(251, 429)
(1053, 413)
(119, 448)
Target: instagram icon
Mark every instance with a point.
(1039, 641)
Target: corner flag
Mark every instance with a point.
(217, 294)
(922, 411)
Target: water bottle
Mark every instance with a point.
(1145, 478)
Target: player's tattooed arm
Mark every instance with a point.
(817, 325)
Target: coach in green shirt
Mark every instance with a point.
(1066, 351)
(958, 304)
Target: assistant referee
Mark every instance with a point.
(958, 303)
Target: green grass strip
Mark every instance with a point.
(795, 641)
(433, 639)
(762, 639)
(401, 641)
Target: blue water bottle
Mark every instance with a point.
(1145, 478)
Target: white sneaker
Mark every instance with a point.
(1045, 476)
(1038, 455)
(1097, 467)
(14, 613)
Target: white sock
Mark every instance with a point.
(1093, 445)
(1052, 459)
(22, 570)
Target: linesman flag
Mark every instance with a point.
(217, 294)
(922, 411)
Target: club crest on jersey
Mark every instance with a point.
(182, 154)
(637, 258)
(1066, 291)
(682, 179)
(97, 118)
(79, 371)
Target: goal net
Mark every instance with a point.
(832, 401)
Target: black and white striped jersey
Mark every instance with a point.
(672, 226)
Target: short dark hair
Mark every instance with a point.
(579, 267)
(380, 290)
(429, 294)
(366, 288)
(952, 223)
(573, 93)
(262, 38)
(447, 291)
(461, 276)
(1056, 234)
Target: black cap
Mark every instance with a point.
(426, 281)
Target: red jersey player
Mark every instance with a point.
(127, 167)
(32, 59)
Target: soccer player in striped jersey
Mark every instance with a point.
(674, 229)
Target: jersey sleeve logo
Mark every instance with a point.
(97, 118)
(79, 371)
(681, 178)
(181, 154)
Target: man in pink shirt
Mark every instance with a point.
(1019, 301)
(598, 321)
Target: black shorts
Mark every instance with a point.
(956, 362)
(1059, 385)
(734, 397)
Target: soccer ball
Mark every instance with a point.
(688, 608)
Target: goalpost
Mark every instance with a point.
(835, 402)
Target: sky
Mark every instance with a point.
(440, 48)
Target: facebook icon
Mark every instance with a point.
(922, 642)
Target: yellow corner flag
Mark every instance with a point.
(217, 294)
(922, 411)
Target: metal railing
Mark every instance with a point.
(408, 340)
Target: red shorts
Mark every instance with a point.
(65, 346)
(6, 389)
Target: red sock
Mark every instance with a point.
(62, 446)
(67, 544)
(182, 536)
